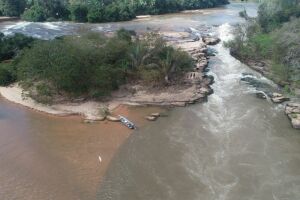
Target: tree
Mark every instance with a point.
(12, 8)
(79, 13)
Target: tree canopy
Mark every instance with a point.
(92, 65)
(273, 37)
(97, 10)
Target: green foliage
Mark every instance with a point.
(79, 13)
(95, 15)
(98, 10)
(273, 36)
(12, 8)
(50, 10)
(93, 65)
(35, 14)
(11, 45)
(7, 74)
(272, 14)
(261, 44)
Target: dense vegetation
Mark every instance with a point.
(93, 65)
(9, 48)
(97, 10)
(273, 38)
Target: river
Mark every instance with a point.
(234, 147)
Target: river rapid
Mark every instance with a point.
(234, 147)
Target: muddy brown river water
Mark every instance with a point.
(234, 147)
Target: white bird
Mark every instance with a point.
(100, 159)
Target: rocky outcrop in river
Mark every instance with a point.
(293, 112)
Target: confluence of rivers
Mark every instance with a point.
(234, 147)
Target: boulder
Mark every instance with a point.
(155, 114)
(112, 118)
(211, 52)
(295, 120)
(293, 112)
(211, 40)
(279, 98)
(208, 80)
(275, 95)
(206, 90)
(203, 50)
(151, 118)
(292, 108)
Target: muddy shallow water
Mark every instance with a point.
(234, 147)
(47, 157)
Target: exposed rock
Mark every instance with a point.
(211, 52)
(275, 95)
(179, 104)
(279, 98)
(193, 77)
(211, 40)
(202, 65)
(112, 118)
(208, 80)
(155, 114)
(292, 108)
(93, 119)
(101, 118)
(206, 90)
(293, 112)
(151, 118)
(260, 85)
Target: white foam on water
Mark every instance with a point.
(50, 25)
(9, 29)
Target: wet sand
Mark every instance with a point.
(49, 157)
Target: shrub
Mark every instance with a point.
(11, 45)
(35, 14)
(7, 74)
(93, 65)
(12, 8)
(79, 13)
(95, 15)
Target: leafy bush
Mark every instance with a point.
(79, 13)
(274, 36)
(93, 65)
(95, 15)
(12, 8)
(96, 10)
(34, 14)
(11, 45)
(7, 74)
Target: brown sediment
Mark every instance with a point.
(59, 155)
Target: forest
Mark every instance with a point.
(272, 38)
(96, 10)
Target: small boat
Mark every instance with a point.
(126, 122)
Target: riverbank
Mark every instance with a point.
(192, 88)
(8, 19)
(292, 108)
